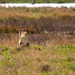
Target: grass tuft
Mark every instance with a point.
(45, 68)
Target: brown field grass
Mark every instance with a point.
(36, 20)
(56, 57)
(39, 23)
(51, 34)
(53, 38)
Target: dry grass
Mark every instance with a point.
(14, 12)
(53, 38)
(9, 40)
(36, 20)
(38, 60)
(51, 51)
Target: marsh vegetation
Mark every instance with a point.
(51, 34)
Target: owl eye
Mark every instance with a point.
(26, 34)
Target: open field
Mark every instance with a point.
(37, 20)
(38, 60)
(41, 22)
(46, 55)
(37, 1)
(51, 34)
